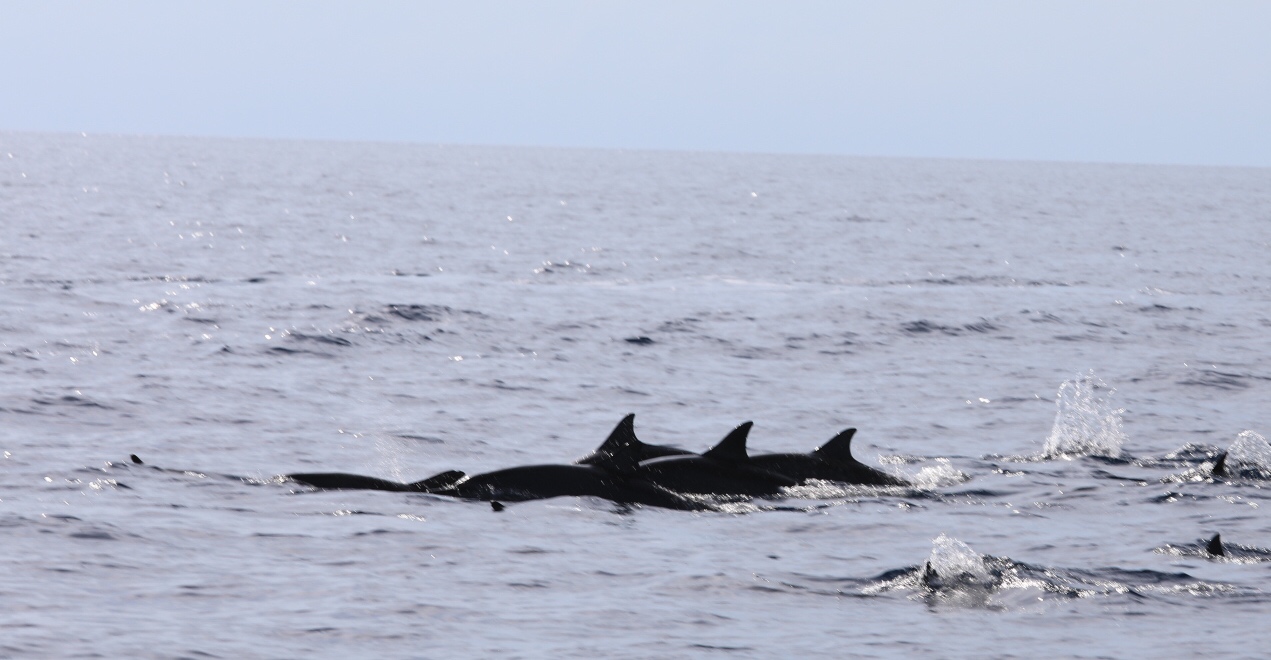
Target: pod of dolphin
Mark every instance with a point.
(627, 471)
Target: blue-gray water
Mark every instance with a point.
(256, 308)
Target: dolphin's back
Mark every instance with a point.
(802, 467)
(725, 469)
(832, 461)
(346, 481)
(706, 476)
(535, 482)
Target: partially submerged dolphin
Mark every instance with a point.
(1220, 466)
(1206, 471)
(606, 473)
(345, 481)
(1215, 546)
(832, 461)
(723, 470)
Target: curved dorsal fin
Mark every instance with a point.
(733, 446)
(1220, 466)
(619, 452)
(1214, 547)
(839, 447)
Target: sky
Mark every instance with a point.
(1153, 81)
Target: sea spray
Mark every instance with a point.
(1250, 456)
(940, 475)
(1086, 423)
(953, 561)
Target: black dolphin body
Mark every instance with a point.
(537, 482)
(723, 470)
(832, 461)
(345, 481)
(607, 474)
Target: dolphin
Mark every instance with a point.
(338, 480)
(831, 461)
(345, 481)
(723, 470)
(606, 475)
(1206, 471)
(513, 484)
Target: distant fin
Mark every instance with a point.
(1214, 547)
(135, 459)
(437, 481)
(839, 447)
(620, 452)
(1220, 466)
(733, 446)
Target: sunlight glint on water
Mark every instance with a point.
(225, 309)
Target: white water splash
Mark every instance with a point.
(1250, 453)
(940, 475)
(952, 559)
(1086, 423)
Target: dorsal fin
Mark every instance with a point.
(839, 447)
(1220, 466)
(930, 578)
(1214, 547)
(733, 446)
(619, 453)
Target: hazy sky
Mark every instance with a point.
(1153, 81)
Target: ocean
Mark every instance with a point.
(1055, 354)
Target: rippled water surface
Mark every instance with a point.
(1056, 355)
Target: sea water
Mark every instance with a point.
(1041, 348)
